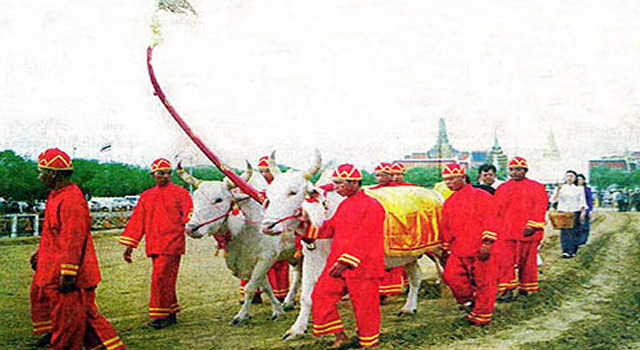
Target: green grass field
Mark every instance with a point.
(592, 300)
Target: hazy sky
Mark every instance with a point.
(362, 81)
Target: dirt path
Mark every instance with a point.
(576, 307)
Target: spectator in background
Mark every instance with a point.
(570, 198)
(487, 176)
(622, 200)
(585, 224)
(635, 199)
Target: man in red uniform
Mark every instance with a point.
(161, 214)
(521, 207)
(392, 280)
(278, 274)
(468, 218)
(382, 172)
(398, 170)
(355, 264)
(66, 267)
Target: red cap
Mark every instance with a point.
(398, 168)
(161, 164)
(54, 159)
(452, 170)
(263, 163)
(383, 168)
(347, 172)
(518, 162)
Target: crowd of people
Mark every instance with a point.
(490, 234)
(490, 231)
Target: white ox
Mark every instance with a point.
(250, 254)
(286, 196)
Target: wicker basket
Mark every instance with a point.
(561, 220)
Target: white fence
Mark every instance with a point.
(14, 225)
(23, 224)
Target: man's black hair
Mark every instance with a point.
(486, 167)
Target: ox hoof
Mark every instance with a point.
(238, 320)
(291, 335)
(407, 313)
(274, 317)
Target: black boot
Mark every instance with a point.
(44, 341)
(160, 323)
(506, 296)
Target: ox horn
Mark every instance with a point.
(245, 177)
(317, 163)
(273, 165)
(186, 177)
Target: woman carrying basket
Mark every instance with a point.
(570, 199)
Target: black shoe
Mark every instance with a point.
(567, 256)
(471, 323)
(160, 323)
(173, 319)
(506, 296)
(466, 307)
(523, 293)
(44, 341)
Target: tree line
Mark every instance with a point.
(20, 177)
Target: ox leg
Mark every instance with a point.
(258, 276)
(312, 266)
(290, 300)
(437, 261)
(410, 306)
(276, 308)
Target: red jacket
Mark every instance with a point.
(161, 214)
(468, 219)
(66, 233)
(521, 204)
(358, 240)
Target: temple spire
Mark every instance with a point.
(442, 148)
(551, 151)
(496, 154)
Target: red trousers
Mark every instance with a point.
(520, 256)
(278, 276)
(163, 300)
(40, 311)
(76, 323)
(473, 280)
(364, 298)
(100, 331)
(392, 281)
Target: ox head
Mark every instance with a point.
(213, 202)
(287, 194)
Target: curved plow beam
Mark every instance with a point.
(244, 186)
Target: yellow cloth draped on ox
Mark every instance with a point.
(411, 221)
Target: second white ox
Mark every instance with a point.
(219, 209)
(287, 195)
